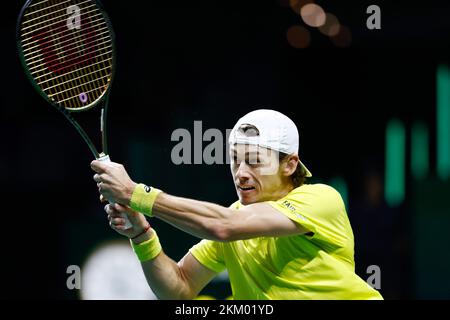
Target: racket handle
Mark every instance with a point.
(128, 225)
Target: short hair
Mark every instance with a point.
(248, 130)
(299, 175)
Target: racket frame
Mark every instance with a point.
(104, 99)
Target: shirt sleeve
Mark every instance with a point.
(318, 208)
(210, 254)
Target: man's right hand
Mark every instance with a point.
(117, 223)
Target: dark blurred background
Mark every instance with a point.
(372, 107)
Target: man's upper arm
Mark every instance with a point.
(261, 219)
(196, 275)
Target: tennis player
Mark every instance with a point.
(283, 239)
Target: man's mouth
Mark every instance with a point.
(245, 188)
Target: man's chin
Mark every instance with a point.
(246, 200)
(249, 196)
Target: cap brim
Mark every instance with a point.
(308, 173)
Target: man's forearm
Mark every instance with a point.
(164, 275)
(202, 219)
(165, 278)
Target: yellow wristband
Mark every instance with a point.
(147, 250)
(143, 198)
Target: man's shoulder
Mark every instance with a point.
(318, 191)
(320, 188)
(316, 200)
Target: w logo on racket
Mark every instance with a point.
(67, 44)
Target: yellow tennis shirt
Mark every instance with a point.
(318, 266)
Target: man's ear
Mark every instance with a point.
(290, 165)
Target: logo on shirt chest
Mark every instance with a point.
(291, 208)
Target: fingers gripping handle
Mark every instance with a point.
(128, 225)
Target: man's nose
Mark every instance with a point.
(242, 173)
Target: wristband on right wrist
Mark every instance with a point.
(143, 198)
(147, 250)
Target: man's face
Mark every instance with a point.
(256, 173)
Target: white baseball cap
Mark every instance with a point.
(276, 132)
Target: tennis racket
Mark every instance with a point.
(67, 50)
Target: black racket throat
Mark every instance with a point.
(98, 124)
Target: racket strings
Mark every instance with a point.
(64, 10)
(74, 71)
(77, 78)
(73, 67)
(67, 38)
(73, 55)
(37, 3)
(45, 24)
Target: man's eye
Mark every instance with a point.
(253, 162)
(235, 160)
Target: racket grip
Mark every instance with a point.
(128, 225)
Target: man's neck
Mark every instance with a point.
(281, 192)
(284, 191)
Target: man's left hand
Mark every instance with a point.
(113, 182)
